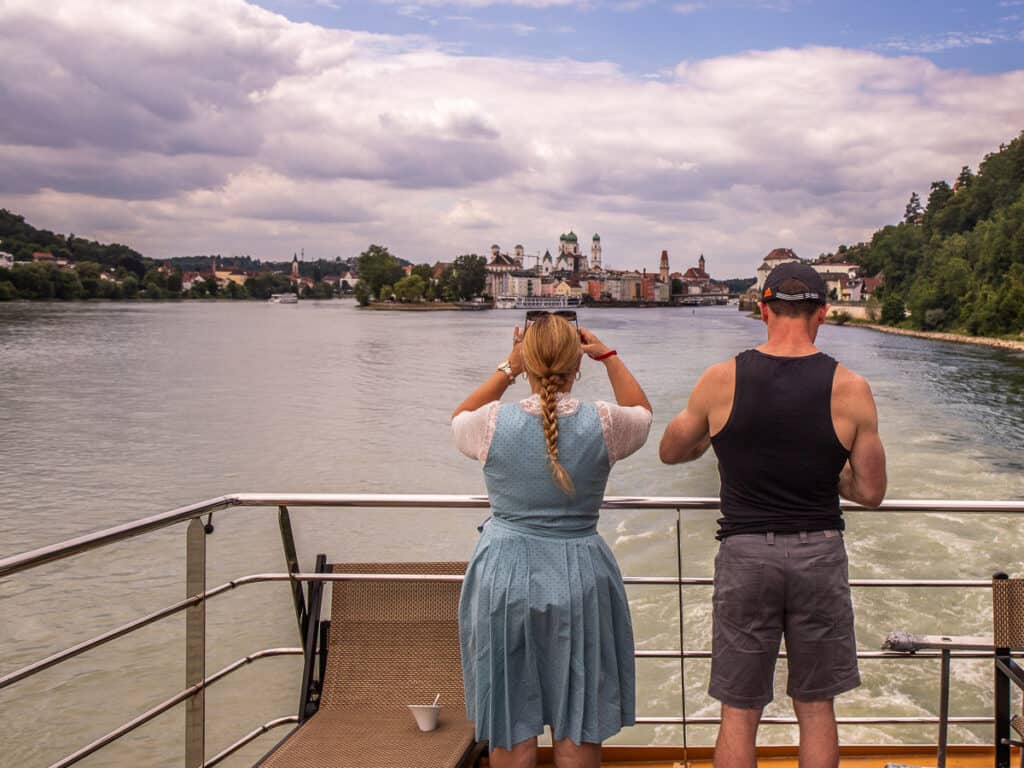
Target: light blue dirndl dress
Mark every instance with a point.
(544, 623)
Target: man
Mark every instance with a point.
(792, 430)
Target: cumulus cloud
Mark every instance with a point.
(471, 215)
(219, 126)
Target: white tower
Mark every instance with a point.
(595, 253)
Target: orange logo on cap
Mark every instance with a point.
(767, 291)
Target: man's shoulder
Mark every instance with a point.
(850, 386)
(719, 373)
(716, 383)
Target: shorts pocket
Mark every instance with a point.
(832, 594)
(738, 592)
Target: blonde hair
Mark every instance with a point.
(551, 353)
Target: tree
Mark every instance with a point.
(410, 288)
(963, 181)
(174, 282)
(893, 309)
(938, 197)
(377, 268)
(363, 293)
(913, 211)
(130, 287)
(470, 275)
(446, 285)
(425, 272)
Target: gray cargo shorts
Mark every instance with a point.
(769, 585)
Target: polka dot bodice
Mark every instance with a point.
(518, 475)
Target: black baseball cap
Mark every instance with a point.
(815, 289)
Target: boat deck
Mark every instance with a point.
(860, 756)
(306, 590)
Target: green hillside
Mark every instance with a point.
(21, 239)
(957, 262)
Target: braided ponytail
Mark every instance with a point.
(551, 352)
(549, 418)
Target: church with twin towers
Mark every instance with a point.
(570, 257)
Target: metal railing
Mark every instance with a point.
(197, 594)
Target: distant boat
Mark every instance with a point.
(505, 302)
(283, 298)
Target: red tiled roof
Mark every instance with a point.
(780, 253)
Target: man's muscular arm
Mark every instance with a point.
(863, 479)
(688, 435)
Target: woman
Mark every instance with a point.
(544, 623)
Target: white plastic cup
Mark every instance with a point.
(426, 715)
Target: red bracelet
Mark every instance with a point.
(605, 356)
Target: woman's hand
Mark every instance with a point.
(515, 357)
(592, 345)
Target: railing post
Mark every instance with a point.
(943, 709)
(1002, 697)
(291, 559)
(195, 645)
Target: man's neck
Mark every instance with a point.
(789, 337)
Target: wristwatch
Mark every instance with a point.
(506, 367)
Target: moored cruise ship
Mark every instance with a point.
(537, 302)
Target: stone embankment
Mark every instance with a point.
(959, 338)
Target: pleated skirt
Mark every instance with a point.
(546, 638)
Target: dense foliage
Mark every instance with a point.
(957, 262)
(21, 239)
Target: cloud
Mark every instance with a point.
(688, 8)
(926, 44)
(471, 214)
(219, 126)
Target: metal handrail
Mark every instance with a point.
(167, 704)
(24, 561)
(257, 578)
(253, 734)
(27, 560)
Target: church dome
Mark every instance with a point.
(597, 238)
(571, 237)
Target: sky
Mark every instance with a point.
(267, 128)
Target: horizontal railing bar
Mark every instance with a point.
(227, 752)
(125, 629)
(905, 720)
(670, 654)
(79, 544)
(70, 547)
(106, 637)
(642, 580)
(707, 581)
(167, 704)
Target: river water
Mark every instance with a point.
(110, 412)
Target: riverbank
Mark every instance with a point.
(958, 338)
(425, 306)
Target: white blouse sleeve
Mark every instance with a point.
(473, 430)
(625, 428)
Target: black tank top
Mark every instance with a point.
(778, 454)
